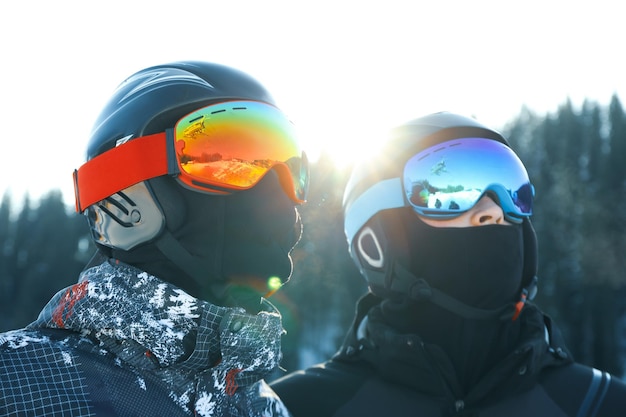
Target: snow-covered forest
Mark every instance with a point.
(576, 158)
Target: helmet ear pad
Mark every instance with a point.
(126, 219)
(380, 243)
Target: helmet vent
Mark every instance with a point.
(130, 213)
(115, 218)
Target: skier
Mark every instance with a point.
(189, 220)
(447, 327)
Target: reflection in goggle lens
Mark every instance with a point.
(448, 179)
(234, 144)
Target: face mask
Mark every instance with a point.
(479, 266)
(248, 234)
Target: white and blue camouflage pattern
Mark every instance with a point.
(123, 342)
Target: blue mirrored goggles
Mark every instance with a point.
(448, 179)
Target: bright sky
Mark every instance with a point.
(344, 71)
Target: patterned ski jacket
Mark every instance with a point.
(121, 342)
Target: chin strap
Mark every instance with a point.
(418, 289)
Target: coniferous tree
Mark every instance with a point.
(6, 254)
(617, 142)
(44, 252)
(567, 157)
(594, 146)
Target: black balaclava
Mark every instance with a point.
(243, 236)
(480, 266)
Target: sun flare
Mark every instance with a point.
(346, 149)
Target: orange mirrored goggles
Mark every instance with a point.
(218, 149)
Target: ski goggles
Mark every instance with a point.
(448, 179)
(218, 149)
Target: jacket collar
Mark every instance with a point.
(153, 324)
(406, 359)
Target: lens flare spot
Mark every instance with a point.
(274, 283)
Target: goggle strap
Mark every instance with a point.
(128, 164)
(286, 181)
(172, 162)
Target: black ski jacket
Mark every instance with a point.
(121, 342)
(390, 374)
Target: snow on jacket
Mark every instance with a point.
(121, 342)
(388, 373)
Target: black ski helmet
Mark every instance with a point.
(148, 102)
(367, 203)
